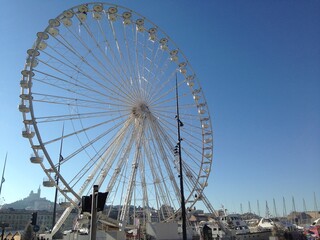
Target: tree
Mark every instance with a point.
(28, 233)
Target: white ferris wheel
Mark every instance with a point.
(107, 76)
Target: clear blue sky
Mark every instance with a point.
(259, 67)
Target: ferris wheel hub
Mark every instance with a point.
(141, 110)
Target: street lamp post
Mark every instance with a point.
(183, 207)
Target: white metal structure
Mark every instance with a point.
(107, 74)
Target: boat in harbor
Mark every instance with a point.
(239, 229)
(231, 226)
(275, 224)
(313, 231)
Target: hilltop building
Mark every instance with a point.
(33, 202)
(18, 214)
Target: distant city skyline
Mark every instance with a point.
(283, 206)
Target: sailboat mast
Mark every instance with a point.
(284, 207)
(267, 210)
(315, 204)
(4, 168)
(275, 212)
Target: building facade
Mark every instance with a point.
(17, 215)
(19, 219)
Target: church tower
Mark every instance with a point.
(39, 192)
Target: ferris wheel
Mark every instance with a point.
(102, 80)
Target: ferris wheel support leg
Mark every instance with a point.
(61, 220)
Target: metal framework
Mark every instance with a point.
(107, 74)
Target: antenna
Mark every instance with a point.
(249, 206)
(258, 208)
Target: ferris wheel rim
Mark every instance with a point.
(38, 133)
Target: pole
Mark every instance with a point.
(183, 207)
(4, 167)
(57, 180)
(3, 226)
(93, 233)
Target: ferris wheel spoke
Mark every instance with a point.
(192, 158)
(73, 116)
(79, 131)
(190, 189)
(168, 127)
(190, 133)
(131, 63)
(128, 60)
(76, 103)
(143, 63)
(65, 66)
(133, 173)
(135, 60)
(89, 143)
(155, 178)
(111, 153)
(162, 85)
(121, 165)
(160, 181)
(141, 41)
(101, 157)
(144, 186)
(69, 101)
(105, 70)
(80, 57)
(119, 71)
(116, 40)
(193, 180)
(106, 75)
(74, 82)
(118, 151)
(152, 65)
(164, 157)
(75, 92)
(76, 86)
(167, 105)
(128, 55)
(163, 98)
